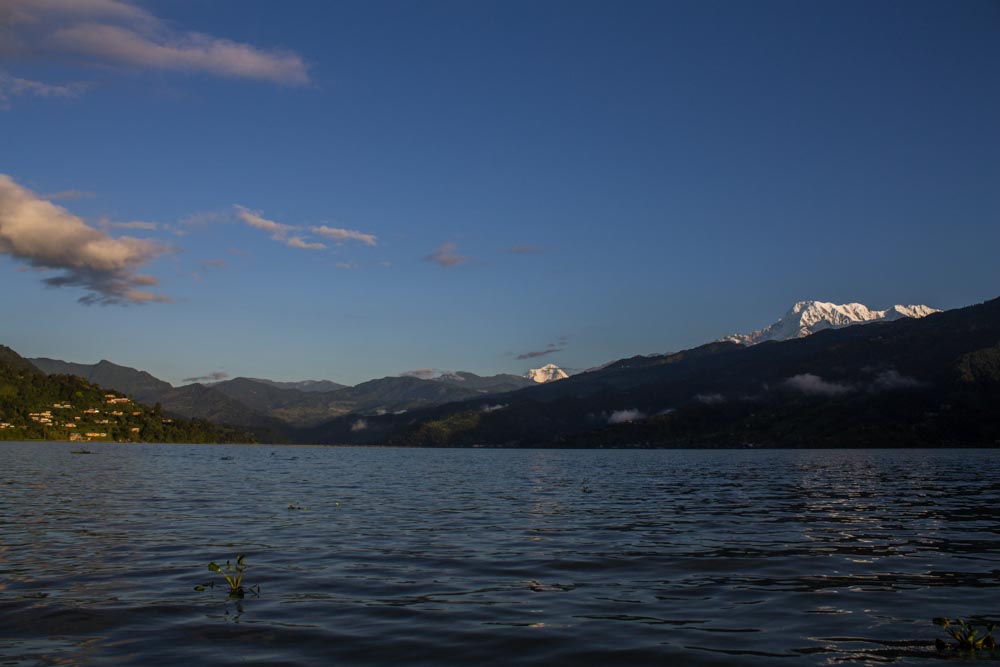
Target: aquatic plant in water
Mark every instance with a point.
(234, 576)
(966, 635)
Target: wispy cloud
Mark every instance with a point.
(296, 237)
(49, 237)
(279, 232)
(12, 86)
(341, 236)
(135, 224)
(123, 33)
(299, 242)
(421, 373)
(537, 353)
(214, 263)
(446, 255)
(215, 376)
(201, 218)
(347, 266)
(625, 416)
(807, 383)
(526, 249)
(558, 346)
(893, 379)
(68, 194)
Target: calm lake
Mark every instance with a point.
(472, 557)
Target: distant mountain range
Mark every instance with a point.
(303, 385)
(808, 317)
(275, 409)
(932, 381)
(911, 376)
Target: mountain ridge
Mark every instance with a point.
(927, 382)
(808, 317)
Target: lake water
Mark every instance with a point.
(500, 557)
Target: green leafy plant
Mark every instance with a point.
(234, 576)
(966, 635)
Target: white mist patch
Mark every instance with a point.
(492, 408)
(710, 399)
(359, 425)
(893, 379)
(807, 383)
(625, 416)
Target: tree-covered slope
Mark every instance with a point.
(36, 406)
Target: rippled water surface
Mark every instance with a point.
(471, 557)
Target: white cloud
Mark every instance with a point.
(710, 399)
(295, 237)
(278, 231)
(215, 376)
(359, 425)
(807, 383)
(446, 256)
(299, 242)
(625, 416)
(893, 379)
(493, 408)
(168, 50)
(11, 86)
(123, 33)
(49, 237)
(340, 236)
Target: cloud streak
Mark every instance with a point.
(294, 237)
(49, 237)
(807, 383)
(216, 376)
(625, 416)
(12, 86)
(525, 249)
(551, 348)
(122, 33)
(341, 236)
(447, 256)
(68, 194)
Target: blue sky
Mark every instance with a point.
(591, 180)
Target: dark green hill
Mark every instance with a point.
(136, 384)
(303, 385)
(927, 382)
(36, 406)
(13, 361)
(491, 384)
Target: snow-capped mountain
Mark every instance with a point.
(547, 373)
(808, 317)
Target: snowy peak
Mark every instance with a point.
(808, 317)
(547, 373)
